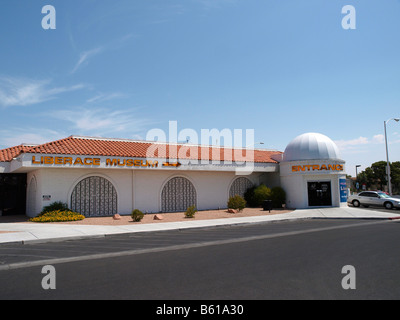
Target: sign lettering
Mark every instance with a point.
(88, 161)
(317, 167)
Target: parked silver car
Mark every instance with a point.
(373, 198)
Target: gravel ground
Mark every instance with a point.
(149, 218)
(178, 216)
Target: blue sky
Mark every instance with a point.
(280, 67)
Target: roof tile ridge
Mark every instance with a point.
(109, 139)
(50, 143)
(18, 149)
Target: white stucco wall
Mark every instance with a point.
(136, 189)
(4, 167)
(212, 187)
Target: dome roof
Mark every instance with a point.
(311, 146)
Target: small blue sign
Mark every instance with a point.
(343, 190)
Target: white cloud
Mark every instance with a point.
(359, 144)
(379, 138)
(101, 122)
(90, 122)
(105, 97)
(345, 144)
(23, 92)
(113, 45)
(85, 56)
(363, 145)
(17, 136)
(365, 151)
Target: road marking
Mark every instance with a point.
(179, 247)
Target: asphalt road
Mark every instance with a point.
(281, 260)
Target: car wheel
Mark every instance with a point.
(356, 203)
(388, 205)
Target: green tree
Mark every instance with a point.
(379, 173)
(366, 177)
(375, 176)
(395, 176)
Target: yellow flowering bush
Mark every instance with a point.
(58, 216)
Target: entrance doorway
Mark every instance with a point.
(12, 194)
(319, 193)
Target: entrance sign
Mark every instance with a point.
(317, 167)
(343, 190)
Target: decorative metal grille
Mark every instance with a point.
(177, 195)
(93, 197)
(240, 186)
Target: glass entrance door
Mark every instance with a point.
(319, 193)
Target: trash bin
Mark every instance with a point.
(267, 205)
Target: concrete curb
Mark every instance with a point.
(21, 233)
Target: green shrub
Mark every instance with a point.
(254, 196)
(137, 215)
(58, 216)
(190, 212)
(250, 198)
(236, 202)
(278, 197)
(261, 193)
(57, 205)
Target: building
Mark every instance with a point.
(102, 177)
(312, 173)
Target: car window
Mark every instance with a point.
(368, 194)
(383, 195)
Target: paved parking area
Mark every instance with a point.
(39, 232)
(21, 255)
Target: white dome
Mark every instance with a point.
(311, 146)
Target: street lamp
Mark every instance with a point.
(387, 155)
(357, 166)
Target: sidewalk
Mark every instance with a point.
(38, 232)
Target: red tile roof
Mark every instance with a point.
(138, 149)
(8, 154)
